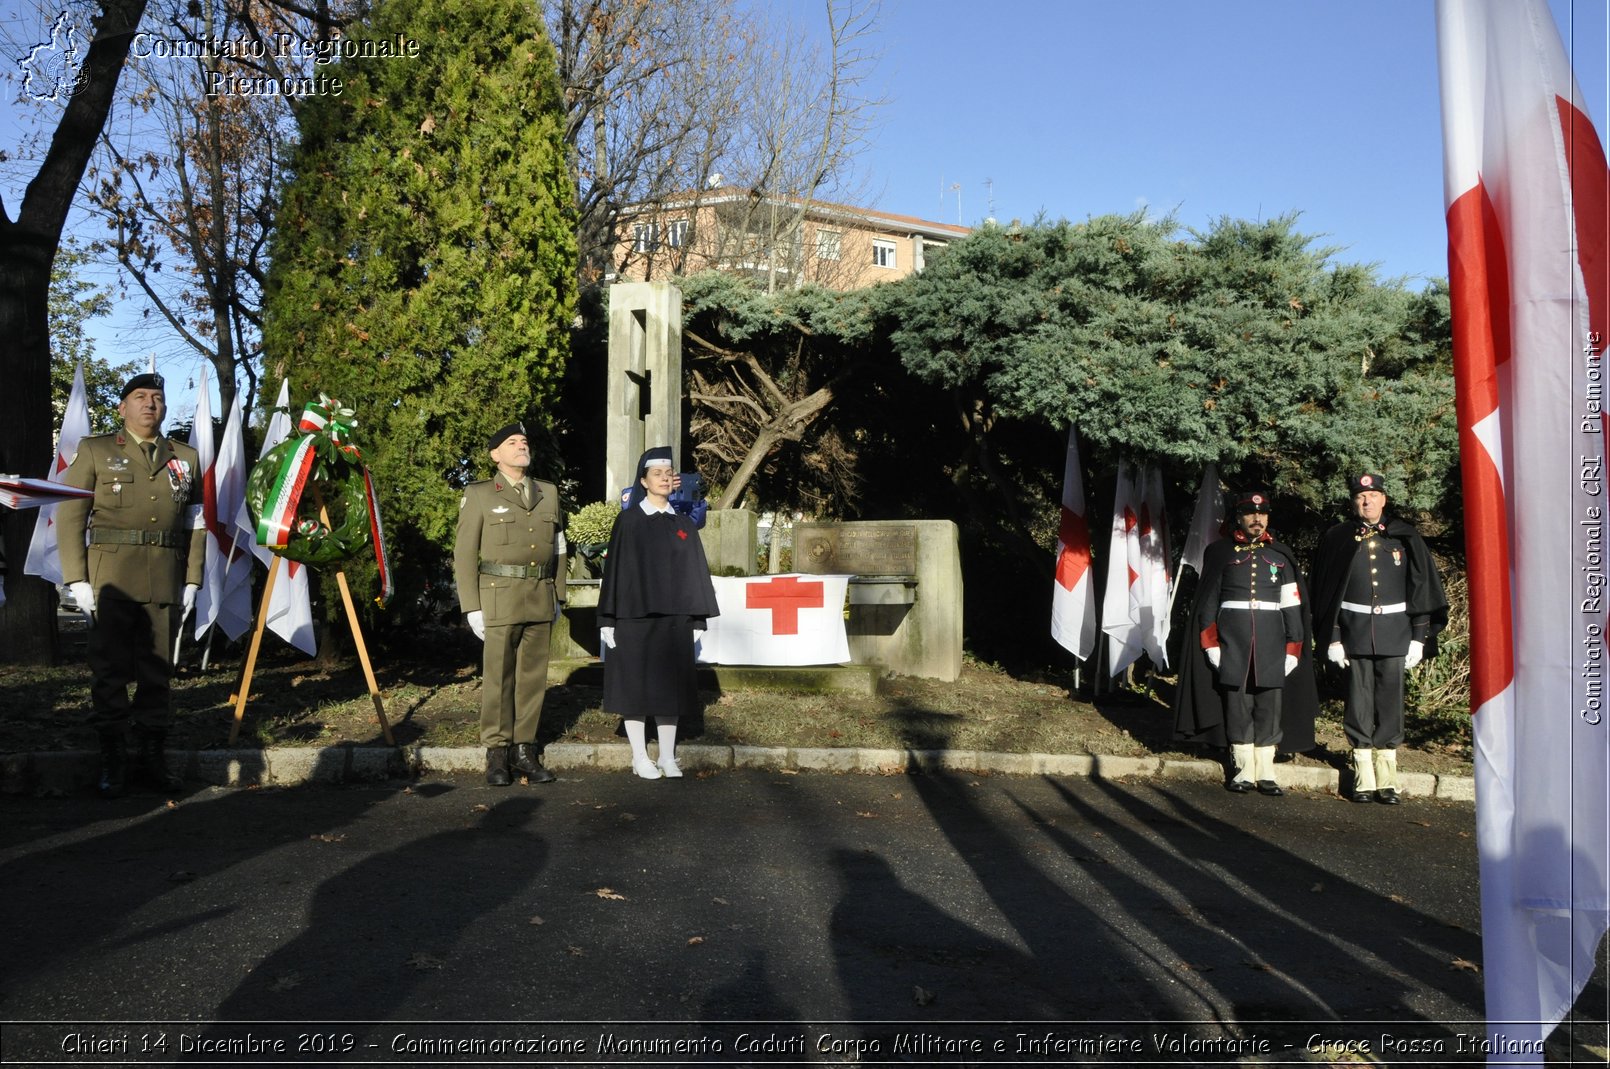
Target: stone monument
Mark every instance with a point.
(905, 597)
(644, 394)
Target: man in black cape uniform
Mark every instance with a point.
(1235, 689)
(652, 606)
(1378, 608)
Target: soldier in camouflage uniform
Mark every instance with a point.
(509, 565)
(141, 565)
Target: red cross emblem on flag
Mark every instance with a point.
(784, 596)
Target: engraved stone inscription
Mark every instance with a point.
(823, 549)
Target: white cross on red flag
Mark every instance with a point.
(1528, 205)
(777, 620)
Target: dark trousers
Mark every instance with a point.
(514, 679)
(1374, 718)
(131, 643)
(1252, 715)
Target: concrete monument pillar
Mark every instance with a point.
(645, 377)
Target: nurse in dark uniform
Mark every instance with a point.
(655, 598)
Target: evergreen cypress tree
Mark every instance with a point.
(423, 269)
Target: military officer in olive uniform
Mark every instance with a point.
(1378, 606)
(509, 564)
(143, 561)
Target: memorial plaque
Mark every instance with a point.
(853, 549)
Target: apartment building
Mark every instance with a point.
(781, 241)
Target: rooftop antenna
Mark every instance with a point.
(957, 186)
(989, 186)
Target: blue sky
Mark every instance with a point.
(1246, 108)
(1204, 108)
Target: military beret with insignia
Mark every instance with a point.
(149, 380)
(503, 434)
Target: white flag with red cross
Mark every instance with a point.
(778, 620)
(1528, 207)
(225, 597)
(1073, 595)
(1120, 605)
(290, 611)
(44, 556)
(1153, 583)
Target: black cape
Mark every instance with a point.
(1198, 704)
(1335, 560)
(655, 566)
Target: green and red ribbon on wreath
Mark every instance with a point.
(324, 454)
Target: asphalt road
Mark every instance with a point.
(821, 918)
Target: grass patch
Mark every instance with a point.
(436, 702)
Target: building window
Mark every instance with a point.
(828, 243)
(676, 233)
(883, 253)
(645, 237)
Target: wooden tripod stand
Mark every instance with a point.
(245, 687)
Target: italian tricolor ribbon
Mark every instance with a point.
(322, 420)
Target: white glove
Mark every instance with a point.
(698, 633)
(187, 600)
(1417, 652)
(477, 622)
(606, 635)
(1337, 655)
(1213, 657)
(84, 594)
(1291, 663)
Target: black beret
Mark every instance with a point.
(1370, 480)
(503, 434)
(150, 380)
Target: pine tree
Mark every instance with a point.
(423, 271)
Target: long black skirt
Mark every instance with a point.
(650, 671)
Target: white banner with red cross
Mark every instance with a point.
(778, 619)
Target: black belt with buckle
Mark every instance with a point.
(165, 539)
(516, 571)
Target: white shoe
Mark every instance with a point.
(645, 768)
(670, 768)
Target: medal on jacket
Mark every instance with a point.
(1397, 558)
(1274, 572)
(179, 479)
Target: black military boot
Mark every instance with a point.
(154, 771)
(114, 781)
(497, 766)
(525, 762)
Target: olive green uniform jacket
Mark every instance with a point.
(162, 499)
(146, 543)
(494, 528)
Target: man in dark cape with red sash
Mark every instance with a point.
(1249, 631)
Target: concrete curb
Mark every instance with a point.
(70, 771)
